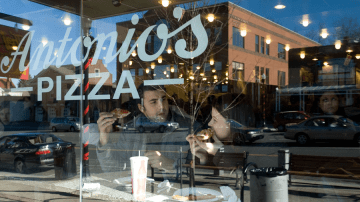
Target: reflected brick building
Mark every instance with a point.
(245, 52)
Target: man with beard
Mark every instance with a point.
(161, 148)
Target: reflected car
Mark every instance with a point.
(323, 128)
(25, 150)
(65, 123)
(244, 134)
(283, 118)
(143, 124)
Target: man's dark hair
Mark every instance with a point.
(142, 89)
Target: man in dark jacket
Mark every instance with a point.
(161, 148)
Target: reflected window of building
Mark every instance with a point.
(281, 51)
(208, 32)
(238, 40)
(149, 44)
(262, 45)
(141, 72)
(267, 49)
(218, 35)
(256, 43)
(133, 74)
(238, 71)
(218, 65)
(256, 74)
(97, 72)
(157, 40)
(281, 78)
(267, 75)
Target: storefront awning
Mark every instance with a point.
(97, 9)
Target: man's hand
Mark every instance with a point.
(105, 122)
(156, 160)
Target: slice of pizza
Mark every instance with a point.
(205, 134)
(180, 198)
(120, 113)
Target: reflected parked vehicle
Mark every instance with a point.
(25, 150)
(65, 123)
(323, 128)
(143, 124)
(243, 134)
(283, 118)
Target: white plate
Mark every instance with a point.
(199, 191)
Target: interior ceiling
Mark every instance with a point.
(97, 9)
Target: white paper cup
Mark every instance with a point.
(138, 176)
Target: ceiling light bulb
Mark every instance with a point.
(243, 33)
(133, 53)
(268, 39)
(326, 63)
(212, 62)
(165, 72)
(147, 70)
(338, 44)
(211, 17)
(226, 82)
(305, 20)
(130, 62)
(201, 74)
(357, 56)
(215, 77)
(324, 33)
(315, 59)
(26, 27)
(198, 67)
(14, 47)
(172, 69)
(67, 21)
(160, 59)
(305, 23)
(152, 65)
(44, 41)
(302, 54)
(213, 71)
(280, 6)
(349, 50)
(204, 79)
(169, 51)
(165, 3)
(287, 47)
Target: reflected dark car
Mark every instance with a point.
(65, 123)
(323, 128)
(25, 150)
(143, 124)
(244, 134)
(283, 118)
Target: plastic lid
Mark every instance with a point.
(268, 171)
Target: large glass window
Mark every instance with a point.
(143, 101)
(281, 51)
(238, 40)
(238, 71)
(256, 43)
